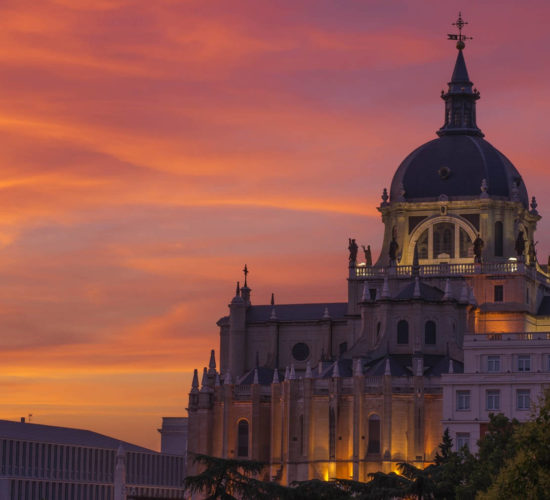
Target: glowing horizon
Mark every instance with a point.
(150, 150)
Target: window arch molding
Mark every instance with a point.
(462, 223)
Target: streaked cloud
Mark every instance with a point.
(150, 149)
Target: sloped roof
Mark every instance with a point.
(297, 312)
(427, 292)
(401, 365)
(63, 435)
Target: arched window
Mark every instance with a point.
(242, 438)
(443, 240)
(374, 434)
(499, 240)
(402, 332)
(429, 333)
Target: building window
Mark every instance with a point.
(300, 351)
(374, 434)
(429, 333)
(462, 400)
(242, 439)
(493, 363)
(462, 440)
(443, 240)
(499, 240)
(402, 332)
(499, 293)
(493, 400)
(524, 363)
(523, 399)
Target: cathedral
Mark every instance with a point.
(345, 389)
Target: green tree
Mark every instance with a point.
(526, 468)
(231, 479)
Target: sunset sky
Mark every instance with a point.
(150, 149)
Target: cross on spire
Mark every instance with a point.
(460, 23)
(245, 271)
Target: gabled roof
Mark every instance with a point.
(63, 435)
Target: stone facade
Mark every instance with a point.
(350, 388)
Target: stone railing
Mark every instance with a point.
(445, 269)
(480, 337)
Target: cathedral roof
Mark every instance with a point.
(296, 312)
(401, 365)
(460, 160)
(427, 292)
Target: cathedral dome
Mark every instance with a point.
(460, 164)
(456, 165)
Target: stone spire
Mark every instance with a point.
(195, 383)
(460, 98)
(245, 291)
(308, 370)
(273, 314)
(275, 376)
(256, 380)
(335, 370)
(212, 363)
(292, 374)
(205, 383)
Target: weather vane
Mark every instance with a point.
(460, 23)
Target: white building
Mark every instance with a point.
(42, 462)
(503, 373)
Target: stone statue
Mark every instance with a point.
(393, 251)
(520, 244)
(478, 248)
(352, 247)
(532, 253)
(368, 255)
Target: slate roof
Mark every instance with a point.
(265, 376)
(401, 365)
(63, 435)
(470, 160)
(296, 312)
(427, 292)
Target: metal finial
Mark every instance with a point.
(460, 23)
(238, 290)
(245, 271)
